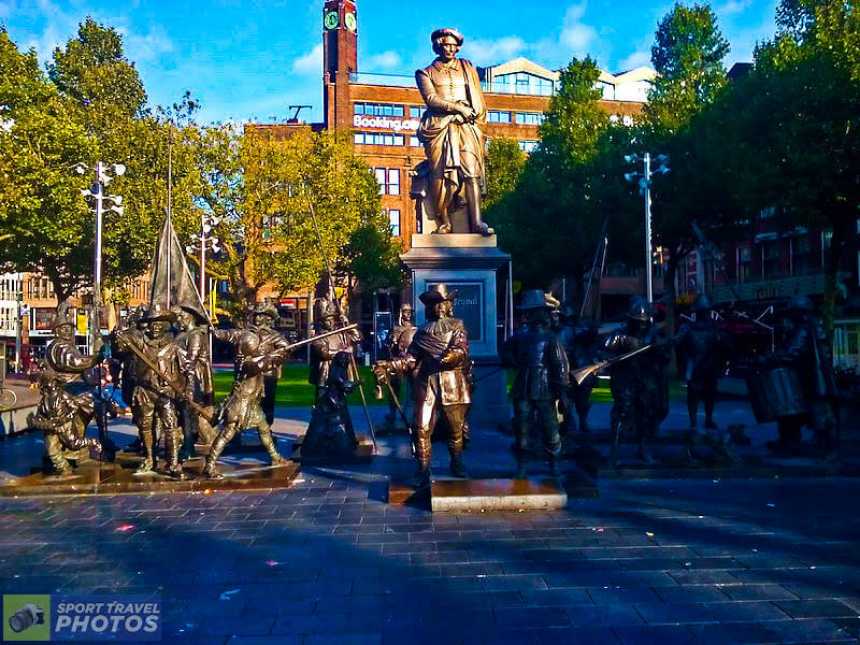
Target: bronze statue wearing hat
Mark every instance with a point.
(242, 407)
(55, 416)
(193, 341)
(807, 351)
(640, 385)
(542, 376)
(264, 316)
(705, 351)
(323, 350)
(153, 402)
(438, 356)
(69, 366)
(450, 131)
(398, 344)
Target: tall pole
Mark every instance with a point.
(203, 258)
(169, 204)
(97, 268)
(19, 298)
(649, 285)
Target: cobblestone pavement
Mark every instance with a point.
(649, 561)
(663, 561)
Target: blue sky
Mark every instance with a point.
(251, 59)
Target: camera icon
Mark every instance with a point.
(26, 617)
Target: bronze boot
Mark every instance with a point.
(209, 470)
(148, 463)
(174, 468)
(269, 444)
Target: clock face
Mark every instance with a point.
(331, 20)
(349, 19)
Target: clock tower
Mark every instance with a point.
(340, 59)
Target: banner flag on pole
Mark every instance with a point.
(172, 283)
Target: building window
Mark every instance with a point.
(414, 142)
(415, 112)
(394, 221)
(378, 139)
(388, 180)
(377, 109)
(529, 146)
(393, 184)
(379, 174)
(529, 118)
(494, 116)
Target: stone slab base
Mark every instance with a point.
(466, 495)
(363, 454)
(454, 240)
(403, 494)
(94, 478)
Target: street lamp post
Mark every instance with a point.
(97, 193)
(206, 242)
(644, 181)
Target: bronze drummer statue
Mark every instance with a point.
(450, 131)
(807, 395)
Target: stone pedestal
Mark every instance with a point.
(468, 263)
(496, 495)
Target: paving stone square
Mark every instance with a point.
(698, 560)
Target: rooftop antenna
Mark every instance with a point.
(298, 110)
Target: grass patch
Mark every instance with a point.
(295, 391)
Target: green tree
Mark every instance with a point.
(41, 208)
(551, 222)
(105, 90)
(801, 125)
(505, 164)
(263, 189)
(89, 107)
(687, 55)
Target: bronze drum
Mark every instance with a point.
(776, 393)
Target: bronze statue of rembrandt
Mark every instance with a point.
(450, 131)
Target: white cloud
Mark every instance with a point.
(146, 47)
(489, 52)
(7, 8)
(733, 7)
(575, 35)
(386, 60)
(634, 60)
(310, 63)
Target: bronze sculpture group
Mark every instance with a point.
(167, 377)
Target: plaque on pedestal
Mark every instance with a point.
(468, 263)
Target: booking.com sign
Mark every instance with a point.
(80, 618)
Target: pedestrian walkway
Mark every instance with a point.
(328, 561)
